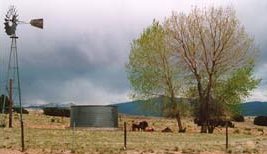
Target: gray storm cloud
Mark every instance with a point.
(81, 53)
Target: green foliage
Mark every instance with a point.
(238, 118)
(151, 71)
(237, 87)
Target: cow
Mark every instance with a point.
(215, 123)
(167, 130)
(141, 126)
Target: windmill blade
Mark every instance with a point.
(39, 23)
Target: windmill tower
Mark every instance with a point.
(13, 78)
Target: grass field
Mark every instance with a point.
(46, 134)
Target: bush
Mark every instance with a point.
(55, 111)
(260, 120)
(5, 99)
(236, 131)
(260, 129)
(17, 110)
(238, 118)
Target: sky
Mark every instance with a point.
(81, 53)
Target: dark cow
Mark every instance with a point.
(212, 123)
(135, 127)
(182, 130)
(216, 123)
(167, 130)
(141, 126)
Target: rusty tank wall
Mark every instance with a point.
(94, 116)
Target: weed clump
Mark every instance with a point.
(236, 131)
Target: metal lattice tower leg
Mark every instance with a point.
(13, 80)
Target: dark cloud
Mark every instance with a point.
(81, 53)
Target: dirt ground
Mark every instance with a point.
(47, 134)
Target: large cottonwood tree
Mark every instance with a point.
(152, 69)
(213, 47)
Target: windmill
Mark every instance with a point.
(13, 80)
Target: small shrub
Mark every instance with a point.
(150, 150)
(17, 110)
(3, 125)
(54, 111)
(176, 148)
(260, 129)
(260, 120)
(53, 120)
(249, 150)
(248, 129)
(188, 150)
(247, 133)
(238, 118)
(236, 131)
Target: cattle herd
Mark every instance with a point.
(143, 125)
(216, 123)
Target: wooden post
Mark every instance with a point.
(22, 136)
(73, 137)
(10, 102)
(226, 135)
(125, 136)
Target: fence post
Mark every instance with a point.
(73, 137)
(125, 136)
(226, 135)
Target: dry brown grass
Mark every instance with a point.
(44, 135)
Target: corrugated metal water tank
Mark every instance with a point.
(94, 116)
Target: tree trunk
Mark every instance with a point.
(202, 115)
(204, 128)
(177, 115)
(178, 119)
(210, 129)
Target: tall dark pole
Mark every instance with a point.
(10, 103)
(226, 135)
(13, 72)
(125, 136)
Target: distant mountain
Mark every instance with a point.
(59, 105)
(138, 108)
(254, 108)
(152, 107)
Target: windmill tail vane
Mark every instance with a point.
(39, 23)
